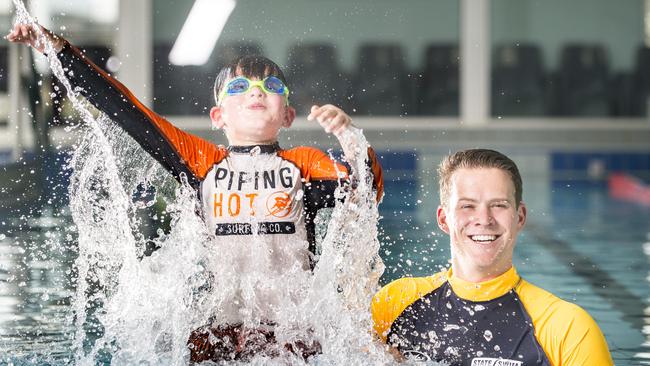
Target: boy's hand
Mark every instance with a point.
(28, 34)
(331, 118)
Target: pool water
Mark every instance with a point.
(587, 248)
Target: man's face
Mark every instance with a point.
(252, 117)
(482, 221)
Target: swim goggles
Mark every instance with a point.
(270, 85)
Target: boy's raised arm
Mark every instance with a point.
(25, 33)
(335, 121)
(177, 151)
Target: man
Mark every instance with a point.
(480, 311)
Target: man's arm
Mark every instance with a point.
(177, 151)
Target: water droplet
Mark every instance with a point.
(449, 327)
(487, 335)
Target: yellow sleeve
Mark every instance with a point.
(566, 332)
(393, 298)
(583, 343)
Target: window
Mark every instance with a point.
(373, 57)
(569, 58)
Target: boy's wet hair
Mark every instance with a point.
(251, 66)
(473, 159)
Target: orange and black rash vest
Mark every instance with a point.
(505, 321)
(244, 190)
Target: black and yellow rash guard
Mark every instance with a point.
(244, 190)
(505, 321)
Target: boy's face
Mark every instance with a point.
(253, 117)
(482, 220)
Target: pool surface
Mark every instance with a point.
(583, 246)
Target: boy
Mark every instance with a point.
(252, 187)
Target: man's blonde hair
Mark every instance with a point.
(477, 158)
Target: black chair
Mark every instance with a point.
(380, 86)
(181, 90)
(641, 83)
(625, 102)
(315, 77)
(4, 64)
(583, 81)
(518, 81)
(438, 91)
(229, 52)
(98, 54)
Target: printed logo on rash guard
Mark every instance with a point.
(238, 193)
(244, 228)
(279, 204)
(488, 361)
(267, 179)
(266, 199)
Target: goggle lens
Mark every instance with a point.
(241, 85)
(274, 85)
(237, 86)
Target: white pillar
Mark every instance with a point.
(475, 62)
(646, 22)
(134, 48)
(646, 26)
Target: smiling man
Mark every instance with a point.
(480, 311)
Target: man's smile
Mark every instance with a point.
(484, 238)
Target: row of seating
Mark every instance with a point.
(382, 84)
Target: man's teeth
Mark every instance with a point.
(485, 238)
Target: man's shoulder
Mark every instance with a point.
(392, 299)
(418, 285)
(541, 300)
(551, 314)
(404, 291)
(567, 332)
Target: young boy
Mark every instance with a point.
(252, 187)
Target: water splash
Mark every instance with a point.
(135, 309)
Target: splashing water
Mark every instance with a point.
(135, 309)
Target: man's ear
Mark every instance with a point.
(289, 116)
(521, 215)
(442, 219)
(216, 116)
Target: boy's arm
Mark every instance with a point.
(349, 140)
(334, 120)
(177, 151)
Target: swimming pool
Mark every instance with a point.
(580, 244)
